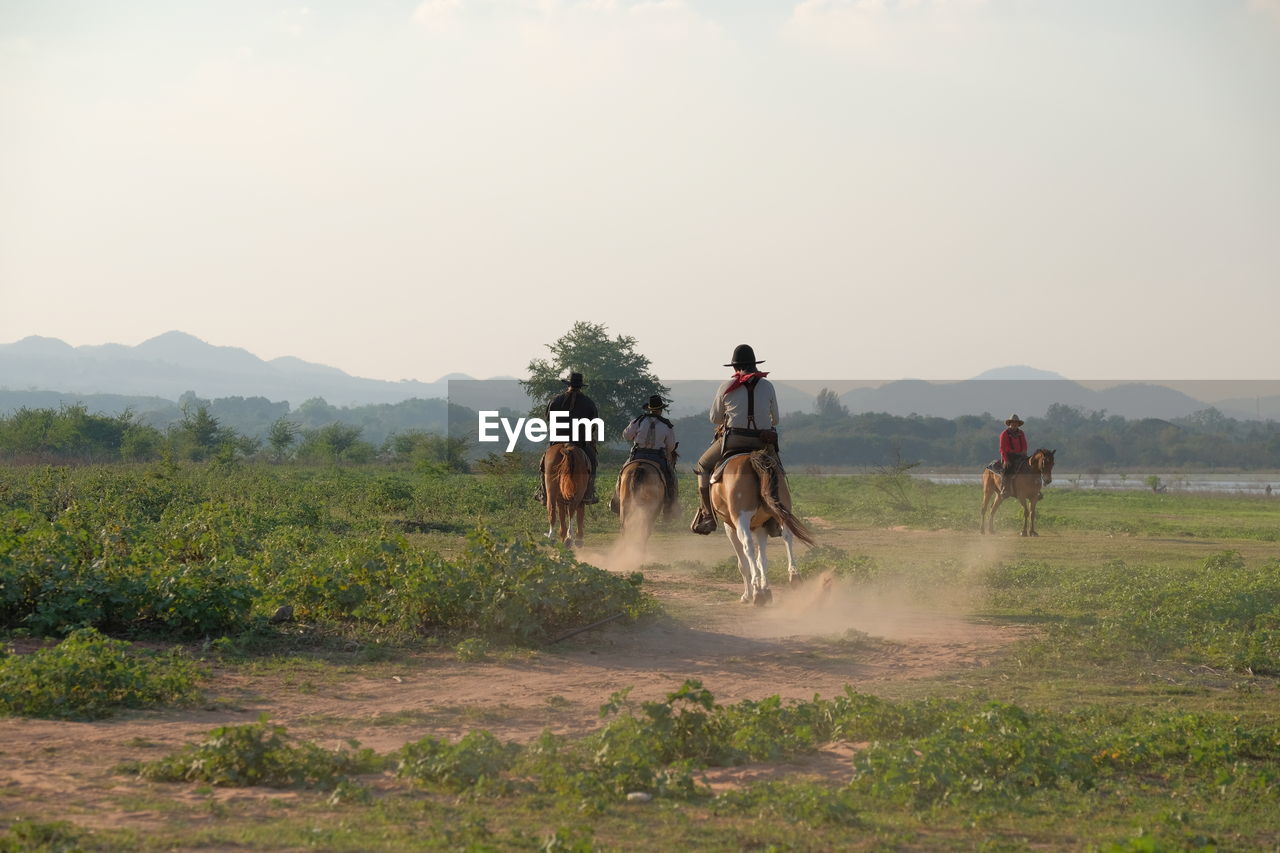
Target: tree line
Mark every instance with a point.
(415, 430)
(71, 433)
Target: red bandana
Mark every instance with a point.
(741, 378)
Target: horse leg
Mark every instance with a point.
(1034, 502)
(1026, 515)
(991, 517)
(551, 516)
(580, 533)
(789, 542)
(744, 567)
(748, 541)
(763, 594)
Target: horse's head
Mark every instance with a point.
(1042, 461)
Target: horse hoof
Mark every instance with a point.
(745, 598)
(763, 597)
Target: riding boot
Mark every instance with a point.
(705, 521)
(591, 490)
(1006, 484)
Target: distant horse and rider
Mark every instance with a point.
(1023, 484)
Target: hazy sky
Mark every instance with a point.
(860, 188)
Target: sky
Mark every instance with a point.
(858, 188)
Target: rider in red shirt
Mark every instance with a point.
(1013, 449)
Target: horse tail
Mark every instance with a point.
(568, 491)
(769, 470)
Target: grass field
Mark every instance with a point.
(1109, 685)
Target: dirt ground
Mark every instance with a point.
(814, 639)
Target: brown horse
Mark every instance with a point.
(565, 471)
(1026, 488)
(641, 494)
(753, 489)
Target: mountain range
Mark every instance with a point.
(35, 370)
(170, 364)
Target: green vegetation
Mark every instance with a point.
(200, 552)
(88, 676)
(1134, 711)
(260, 754)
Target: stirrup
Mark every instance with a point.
(703, 523)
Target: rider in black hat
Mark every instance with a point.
(654, 438)
(745, 413)
(578, 405)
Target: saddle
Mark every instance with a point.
(1022, 466)
(717, 473)
(652, 463)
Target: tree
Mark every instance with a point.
(619, 377)
(282, 435)
(828, 406)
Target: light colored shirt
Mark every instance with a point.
(651, 434)
(731, 408)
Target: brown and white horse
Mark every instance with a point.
(1026, 488)
(566, 472)
(753, 489)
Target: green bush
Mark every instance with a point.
(89, 676)
(261, 754)
(478, 758)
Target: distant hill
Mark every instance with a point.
(1028, 397)
(1018, 371)
(175, 362)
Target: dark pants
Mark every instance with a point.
(1010, 468)
(720, 448)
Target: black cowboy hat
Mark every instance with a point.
(574, 381)
(744, 356)
(655, 404)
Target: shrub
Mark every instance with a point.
(260, 754)
(89, 676)
(477, 758)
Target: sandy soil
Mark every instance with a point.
(815, 638)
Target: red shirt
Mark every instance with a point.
(1012, 440)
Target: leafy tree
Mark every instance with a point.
(828, 405)
(282, 435)
(335, 442)
(619, 377)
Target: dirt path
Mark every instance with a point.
(814, 639)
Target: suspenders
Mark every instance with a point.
(751, 403)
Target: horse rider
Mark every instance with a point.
(653, 438)
(738, 411)
(578, 405)
(1013, 452)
